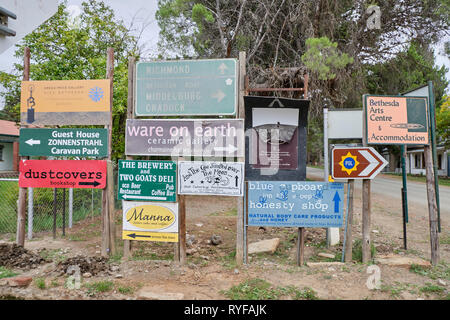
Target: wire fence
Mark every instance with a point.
(77, 204)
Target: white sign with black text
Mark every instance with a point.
(211, 178)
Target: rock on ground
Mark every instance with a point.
(146, 293)
(402, 261)
(269, 245)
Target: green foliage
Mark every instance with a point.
(99, 286)
(357, 250)
(259, 289)
(64, 49)
(440, 271)
(40, 283)
(443, 121)
(6, 273)
(323, 58)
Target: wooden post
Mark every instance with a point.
(130, 115)
(54, 212)
(301, 247)
(366, 209)
(22, 201)
(366, 221)
(182, 228)
(432, 205)
(349, 241)
(240, 222)
(108, 238)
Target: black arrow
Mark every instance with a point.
(95, 183)
(134, 235)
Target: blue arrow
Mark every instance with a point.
(336, 200)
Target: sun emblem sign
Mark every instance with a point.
(349, 163)
(96, 94)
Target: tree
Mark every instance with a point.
(275, 33)
(67, 49)
(443, 122)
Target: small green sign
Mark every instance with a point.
(146, 180)
(78, 142)
(186, 87)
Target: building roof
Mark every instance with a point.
(9, 128)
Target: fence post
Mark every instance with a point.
(70, 207)
(30, 213)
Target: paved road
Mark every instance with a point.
(391, 187)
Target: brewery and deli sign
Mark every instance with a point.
(147, 180)
(65, 102)
(150, 221)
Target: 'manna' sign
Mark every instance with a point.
(150, 221)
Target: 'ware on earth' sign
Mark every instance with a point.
(62, 174)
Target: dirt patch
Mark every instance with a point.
(15, 256)
(92, 265)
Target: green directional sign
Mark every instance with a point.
(186, 87)
(77, 142)
(145, 180)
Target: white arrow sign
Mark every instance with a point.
(125, 196)
(219, 95)
(32, 142)
(229, 149)
(222, 68)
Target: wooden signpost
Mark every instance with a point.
(67, 102)
(400, 120)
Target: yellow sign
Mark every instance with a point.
(349, 163)
(65, 102)
(150, 217)
(150, 236)
(150, 221)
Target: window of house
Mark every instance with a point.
(1, 152)
(440, 161)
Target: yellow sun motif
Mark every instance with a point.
(349, 163)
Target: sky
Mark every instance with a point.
(143, 13)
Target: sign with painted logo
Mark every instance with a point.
(185, 137)
(64, 142)
(150, 221)
(186, 87)
(356, 163)
(295, 204)
(146, 180)
(211, 178)
(65, 102)
(396, 120)
(62, 174)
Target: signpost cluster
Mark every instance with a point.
(152, 191)
(56, 103)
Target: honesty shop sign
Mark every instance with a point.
(295, 204)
